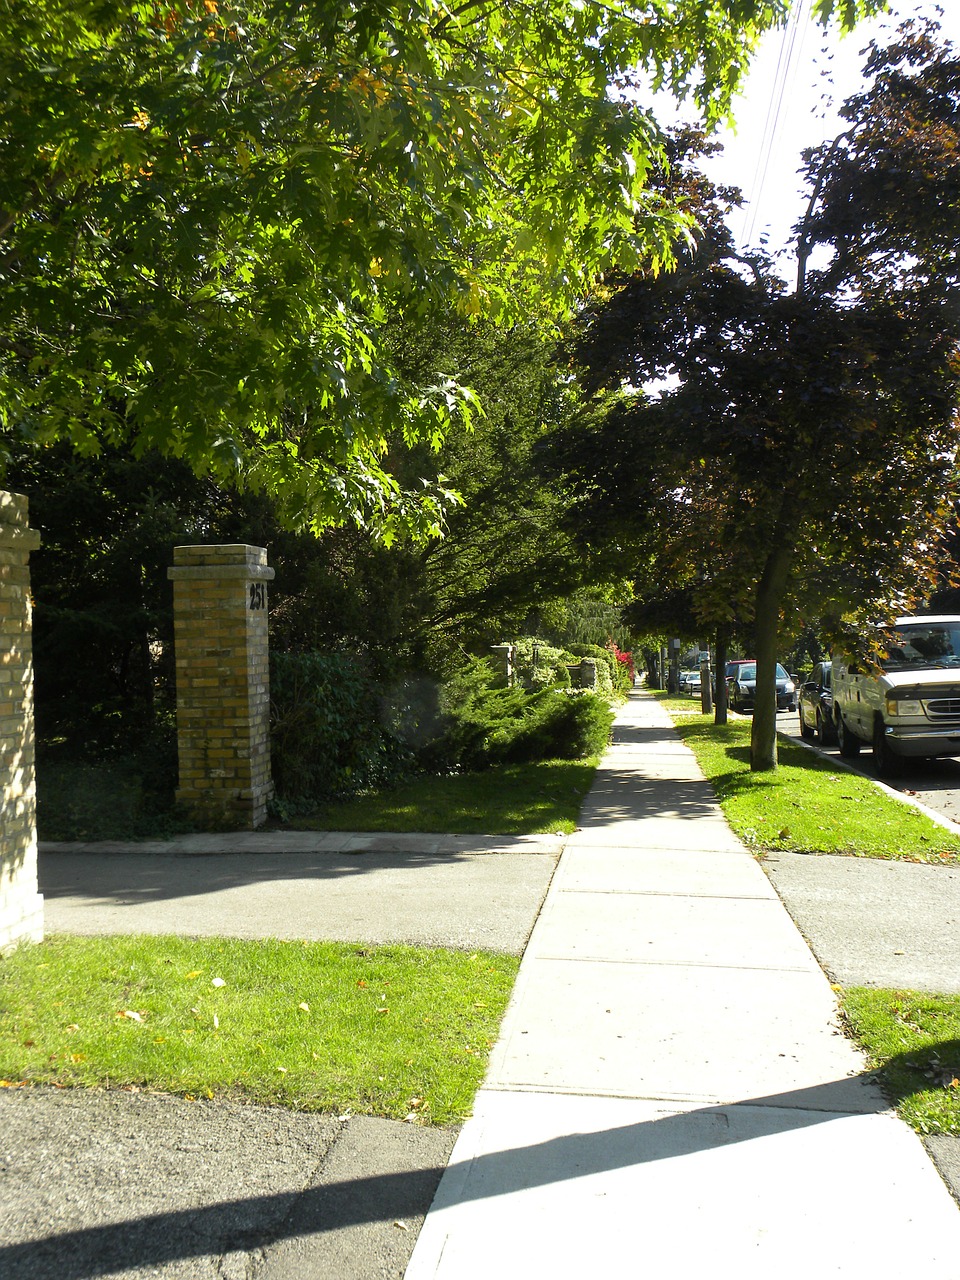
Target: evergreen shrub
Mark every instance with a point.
(488, 724)
(614, 676)
(538, 665)
(606, 675)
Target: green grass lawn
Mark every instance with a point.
(808, 805)
(400, 1032)
(913, 1040)
(518, 799)
(107, 802)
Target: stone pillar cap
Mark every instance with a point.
(15, 521)
(235, 560)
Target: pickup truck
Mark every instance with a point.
(911, 706)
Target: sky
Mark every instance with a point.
(817, 71)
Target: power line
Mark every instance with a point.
(788, 59)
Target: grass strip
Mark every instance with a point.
(390, 1031)
(912, 1039)
(808, 805)
(519, 799)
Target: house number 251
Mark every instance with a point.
(258, 595)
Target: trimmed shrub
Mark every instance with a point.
(540, 666)
(606, 664)
(488, 724)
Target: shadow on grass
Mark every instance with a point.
(934, 1065)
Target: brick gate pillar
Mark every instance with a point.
(223, 683)
(21, 906)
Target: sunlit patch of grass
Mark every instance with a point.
(517, 799)
(913, 1040)
(389, 1030)
(809, 805)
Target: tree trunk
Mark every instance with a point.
(720, 675)
(763, 732)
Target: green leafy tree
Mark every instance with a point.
(103, 625)
(208, 209)
(804, 458)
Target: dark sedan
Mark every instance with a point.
(742, 685)
(816, 705)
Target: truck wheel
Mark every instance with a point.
(886, 761)
(849, 743)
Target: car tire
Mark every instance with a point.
(885, 760)
(826, 733)
(806, 733)
(849, 743)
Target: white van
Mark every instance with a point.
(911, 707)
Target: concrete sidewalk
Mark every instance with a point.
(671, 1094)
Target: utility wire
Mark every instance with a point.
(788, 59)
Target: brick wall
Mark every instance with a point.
(223, 686)
(21, 906)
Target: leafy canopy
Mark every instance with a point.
(802, 459)
(208, 209)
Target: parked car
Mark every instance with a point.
(815, 702)
(910, 707)
(694, 683)
(683, 678)
(741, 676)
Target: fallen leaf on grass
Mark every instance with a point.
(131, 1014)
(217, 982)
(304, 1006)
